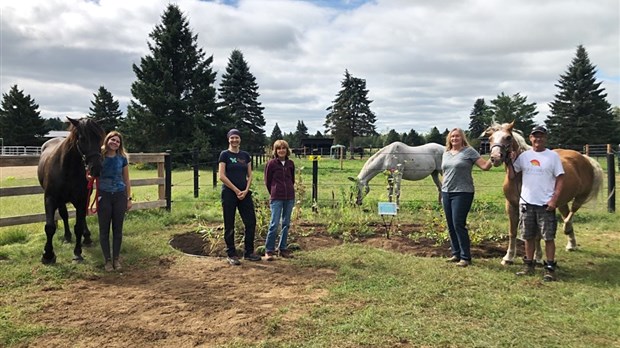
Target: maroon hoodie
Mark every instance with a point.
(280, 179)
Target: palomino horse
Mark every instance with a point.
(583, 177)
(62, 171)
(417, 162)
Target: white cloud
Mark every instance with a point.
(425, 62)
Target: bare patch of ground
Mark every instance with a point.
(183, 301)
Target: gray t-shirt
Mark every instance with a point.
(457, 170)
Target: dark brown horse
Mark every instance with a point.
(583, 178)
(62, 170)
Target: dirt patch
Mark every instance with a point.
(406, 241)
(180, 301)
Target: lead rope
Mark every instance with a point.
(89, 205)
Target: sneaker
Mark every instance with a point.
(252, 257)
(463, 263)
(269, 256)
(233, 260)
(453, 259)
(117, 265)
(286, 254)
(108, 266)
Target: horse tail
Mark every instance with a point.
(597, 178)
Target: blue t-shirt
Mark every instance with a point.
(236, 168)
(111, 178)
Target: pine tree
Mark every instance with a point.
(301, 133)
(239, 95)
(391, 137)
(580, 112)
(55, 123)
(105, 110)
(515, 108)
(435, 137)
(350, 115)
(175, 97)
(413, 138)
(479, 118)
(276, 134)
(21, 123)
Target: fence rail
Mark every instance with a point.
(163, 182)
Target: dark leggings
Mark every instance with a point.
(230, 204)
(111, 209)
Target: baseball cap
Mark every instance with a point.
(539, 129)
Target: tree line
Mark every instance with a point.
(176, 106)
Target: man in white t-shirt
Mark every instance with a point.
(543, 177)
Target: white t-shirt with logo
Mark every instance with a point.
(540, 169)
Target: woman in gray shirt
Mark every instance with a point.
(457, 192)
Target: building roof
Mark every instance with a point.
(56, 134)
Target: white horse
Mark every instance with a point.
(416, 163)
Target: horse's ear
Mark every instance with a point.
(352, 179)
(487, 132)
(75, 123)
(511, 126)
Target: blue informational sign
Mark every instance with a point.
(387, 208)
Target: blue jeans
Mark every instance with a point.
(280, 209)
(456, 205)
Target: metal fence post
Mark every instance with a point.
(611, 181)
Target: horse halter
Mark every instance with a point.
(504, 151)
(86, 157)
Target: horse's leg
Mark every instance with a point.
(87, 240)
(513, 222)
(80, 223)
(538, 252)
(50, 229)
(435, 176)
(567, 216)
(64, 215)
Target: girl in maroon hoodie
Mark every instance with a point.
(280, 182)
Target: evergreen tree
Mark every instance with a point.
(318, 134)
(580, 112)
(350, 115)
(301, 132)
(515, 108)
(105, 110)
(239, 95)
(479, 118)
(276, 134)
(435, 137)
(55, 123)
(175, 97)
(391, 137)
(413, 138)
(21, 123)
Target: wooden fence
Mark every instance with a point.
(163, 182)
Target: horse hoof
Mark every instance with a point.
(48, 261)
(78, 259)
(507, 262)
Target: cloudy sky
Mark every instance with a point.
(425, 62)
